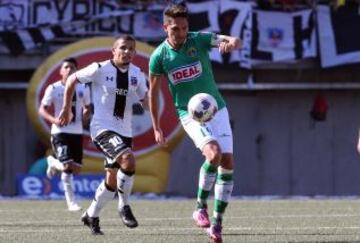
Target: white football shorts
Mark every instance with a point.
(217, 129)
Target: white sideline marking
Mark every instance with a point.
(232, 217)
(187, 229)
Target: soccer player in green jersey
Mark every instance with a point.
(184, 60)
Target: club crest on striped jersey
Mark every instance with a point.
(133, 81)
(185, 73)
(81, 94)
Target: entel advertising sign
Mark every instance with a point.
(34, 186)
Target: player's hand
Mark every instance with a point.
(159, 137)
(64, 117)
(229, 46)
(56, 121)
(225, 47)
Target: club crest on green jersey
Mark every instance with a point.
(191, 52)
(185, 73)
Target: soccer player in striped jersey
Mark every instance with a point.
(184, 61)
(66, 140)
(116, 85)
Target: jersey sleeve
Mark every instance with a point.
(206, 39)
(142, 88)
(88, 73)
(155, 66)
(48, 95)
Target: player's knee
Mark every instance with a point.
(212, 153)
(127, 162)
(214, 158)
(110, 186)
(76, 170)
(68, 168)
(227, 161)
(128, 172)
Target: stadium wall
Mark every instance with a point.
(18, 141)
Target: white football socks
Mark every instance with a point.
(102, 196)
(124, 187)
(67, 180)
(55, 163)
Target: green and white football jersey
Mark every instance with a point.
(187, 70)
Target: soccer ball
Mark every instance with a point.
(202, 107)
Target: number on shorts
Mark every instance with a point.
(62, 150)
(115, 141)
(205, 131)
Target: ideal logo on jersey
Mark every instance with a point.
(39, 185)
(185, 73)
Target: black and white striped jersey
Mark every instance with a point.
(54, 94)
(114, 92)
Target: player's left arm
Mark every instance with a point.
(226, 43)
(145, 102)
(142, 91)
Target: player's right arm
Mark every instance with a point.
(45, 113)
(154, 91)
(65, 113)
(46, 102)
(155, 72)
(84, 75)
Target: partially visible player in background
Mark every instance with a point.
(183, 58)
(66, 140)
(117, 85)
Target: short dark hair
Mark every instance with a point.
(126, 37)
(71, 60)
(174, 11)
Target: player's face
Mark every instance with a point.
(66, 69)
(177, 30)
(123, 52)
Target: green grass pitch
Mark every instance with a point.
(246, 220)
